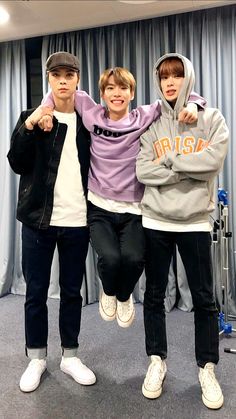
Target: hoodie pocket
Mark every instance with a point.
(180, 202)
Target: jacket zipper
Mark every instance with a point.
(45, 203)
(49, 172)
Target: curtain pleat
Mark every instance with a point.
(13, 100)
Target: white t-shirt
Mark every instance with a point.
(114, 206)
(69, 205)
(168, 226)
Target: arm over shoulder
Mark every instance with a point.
(83, 101)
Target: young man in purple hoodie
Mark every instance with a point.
(114, 196)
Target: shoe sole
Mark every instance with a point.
(30, 389)
(151, 394)
(83, 382)
(104, 316)
(213, 405)
(125, 324)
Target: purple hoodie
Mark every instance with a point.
(115, 146)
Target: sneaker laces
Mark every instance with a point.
(209, 378)
(155, 372)
(109, 302)
(125, 307)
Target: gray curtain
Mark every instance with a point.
(208, 39)
(13, 100)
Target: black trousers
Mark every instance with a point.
(38, 247)
(194, 248)
(119, 242)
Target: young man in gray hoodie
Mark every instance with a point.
(178, 164)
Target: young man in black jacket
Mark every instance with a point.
(53, 168)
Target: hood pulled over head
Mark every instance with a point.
(188, 83)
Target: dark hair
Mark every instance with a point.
(171, 66)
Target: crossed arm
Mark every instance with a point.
(172, 167)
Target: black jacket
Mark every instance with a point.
(35, 155)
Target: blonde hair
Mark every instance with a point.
(122, 77)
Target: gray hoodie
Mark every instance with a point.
(180, 185)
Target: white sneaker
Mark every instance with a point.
(156, 373)
(125, 312)
(77, 370)
(30, 379)
(212, 395)
(107, 307)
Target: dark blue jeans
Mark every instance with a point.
(194, 248)
(119, 242)
(38, 247)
